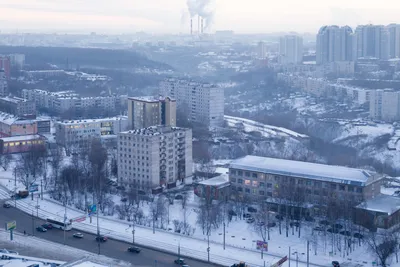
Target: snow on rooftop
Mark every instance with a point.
(308, 170)
(92, 120)
(22, 138)
(216, 181)
(150, 98)
(382, 203)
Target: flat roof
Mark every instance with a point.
(382, 203)
(72, 122)
(307, 170)
(216, 181)
(155, 130)
(150, 98)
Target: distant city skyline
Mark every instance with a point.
(250, 16)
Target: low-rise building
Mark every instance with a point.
(77, 133)
(154, 157)
(18, 106)
(216, 188)
(11, 125)
(20, 144)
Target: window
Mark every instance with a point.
(308, 182)
(255, 183)
(254, 191)
(269, 194)
(333, 186)
(262, 192)
(308, 191)
(247, 182)
(316, 192)
(342, 188)
(254, 175)
(247, 174)
(359, 189)
(240, 189)
(350, 188)
(240, 181)
(247, 190)
(300, 181)
(262, 184)
(233, 172)
(240, 173)
(233, 180)
(269, 185)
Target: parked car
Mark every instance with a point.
(47, 226)
(247, 215)
(6, 205)
(335, 264)
(41, 229)
(180, 261)
(78, 235)
(101, 238)
(251, 209)
(250, 220)
(178, 197)
(134, 249)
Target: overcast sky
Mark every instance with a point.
(164, 16)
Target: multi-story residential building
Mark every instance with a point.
(291, 49)
(394, 40)
(17, 60)
(5, 64)
(371, 41)
(384, 105)
(261, 177)
(149, 111)
(334, 43)
(154, 157)
(261, 50)
(77, 133)
(18, 106)
(203, 103)
(338, 68)
(3, 84)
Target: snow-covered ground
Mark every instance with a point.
(264, 129)
(43, 248)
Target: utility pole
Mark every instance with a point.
(308, 253)
(98, 230)
(179, 249)
(133, 234)
(289, 256)
(33, 224)
(15, 187)
(65, 217)
(224, 237)
(154, 229)
(37, 207)
(41, 188)
(208, 247)
(297, 259)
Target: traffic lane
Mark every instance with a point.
(111, 248)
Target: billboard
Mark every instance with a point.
(34, 188)
(92, 209)
(262, 245)
(11, 225)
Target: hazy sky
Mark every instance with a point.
(158, 16)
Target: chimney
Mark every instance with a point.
(202, 27)
(191, 26)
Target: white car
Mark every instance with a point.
(78, 235)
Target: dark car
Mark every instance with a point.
(78, 235)
(47, 226)
(180, 261)
(101, 238)
(335, 264)
(6, 205)
(41, 229)
(246, 215)
(251, 209)
(134, 249)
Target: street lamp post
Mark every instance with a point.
(133, 234)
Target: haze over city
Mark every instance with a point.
(172, 16)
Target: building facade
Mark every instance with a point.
(384, 105)
(334, 43)
(394, 40)
(3, 84)
(291, 49)
(261, 50)
(203, 103)
(261, 177)
(18, 106)
(144, 112)
(154, 157)
(21, 144)
(5, 65)
(77, 133)
(371, 41)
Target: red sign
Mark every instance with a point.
(79, 219)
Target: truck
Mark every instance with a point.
(22, 194)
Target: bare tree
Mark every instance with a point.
(57, 156)
(382, 245)
(30, 166)
(70, 177)
(98, 158)
(5, 161)
(262, 223)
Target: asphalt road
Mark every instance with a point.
(111, 248)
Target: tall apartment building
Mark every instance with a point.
(18, 106)
(261, 177)
(3, 84)
(291, 49)
(155, 156)
(204, 103)
(77, 133)
(5, 64)
(149, 111)
(261, 50)
(384, 105)
(371, 41)
(394, 40)
(334, 43)
(17, 60)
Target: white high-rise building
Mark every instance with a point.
(3, 84)
(394, 40)
(154, 157)
(371, 41)
(261, 50)
(334, 44)
(203, 102)
(384, 105)
(291, 49)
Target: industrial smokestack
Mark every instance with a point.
(202, 26)
(191, 26)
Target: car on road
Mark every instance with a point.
(134, 249)
(6, 205)
(180, 261)
(48, 226)
(250, 220)
(101, 238)
(247, 215)
(335, 264)
(41, 229)
(78, 235)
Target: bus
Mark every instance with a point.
(61, 225)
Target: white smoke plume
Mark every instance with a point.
(204, 9)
